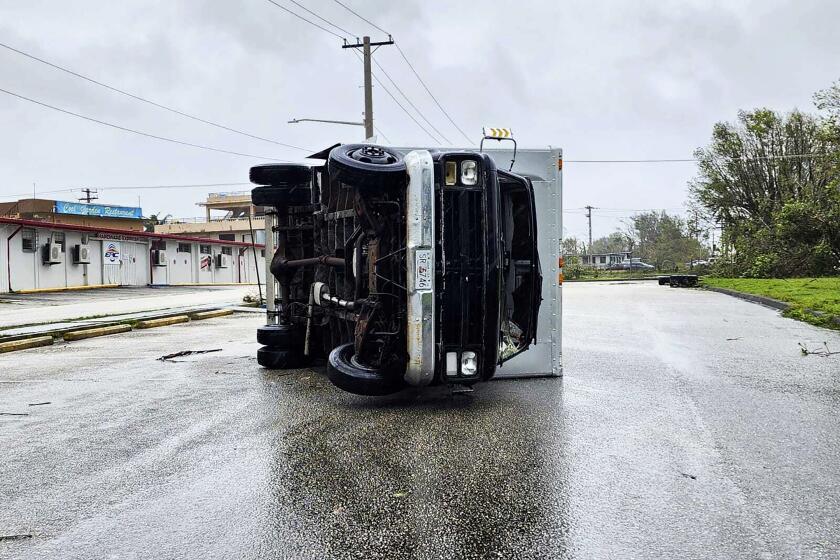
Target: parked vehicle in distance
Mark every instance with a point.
(634, 264)
(400, 270)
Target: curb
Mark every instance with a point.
(762, 300)
(166, 321)
(65, 289)
(210, 314)
(98, 331)
(26, 343)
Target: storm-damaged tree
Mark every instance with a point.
(571, 246)
(665, 241)
(616, 242)
(771, 181)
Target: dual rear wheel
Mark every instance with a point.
(282, 347)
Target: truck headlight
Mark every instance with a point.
(469, 172)
(469, 363)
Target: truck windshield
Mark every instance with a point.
(521, 278)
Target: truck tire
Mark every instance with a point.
(275, 358)
(347, 374)
(281, 174)
(367, 166)
(280, 337)
(283, 184)
(281, 196)
(664, 280)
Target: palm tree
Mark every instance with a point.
(153, 220)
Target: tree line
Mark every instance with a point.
(772, 182)
(666, 241)
(769, 183)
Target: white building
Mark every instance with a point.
(604, 260)
(42, 255)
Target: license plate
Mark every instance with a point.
(423, 269)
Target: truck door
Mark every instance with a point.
(522, 276)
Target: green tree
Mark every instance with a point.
(771, 180)
(153, 220)
(615, 242)
(664, 241)
(571, 246)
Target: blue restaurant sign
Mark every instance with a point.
(101, 210)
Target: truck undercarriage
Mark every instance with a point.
(368, 275)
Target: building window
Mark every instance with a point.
(227, 237)
(227, 251)
(184, 248)
(262, 253)
(159, 245)
(58, 238)
(204, 249)
(29, 240)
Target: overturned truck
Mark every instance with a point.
(411, 267)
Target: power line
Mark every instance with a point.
(328, 22)
(391, 95)
(400, 105)
(300, 17)
(150, 102)
(376, 128)
(419, 112)
(127, 188)
(417, 74)
(145, 187)
(361, 17)
(442, 110)
(138, 132)
(695, 160)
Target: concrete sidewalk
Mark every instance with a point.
(94, 306)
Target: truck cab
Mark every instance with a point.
(400, 268)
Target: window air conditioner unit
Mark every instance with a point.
(222, 261)
(52, 254)
(159, 257)
(81, 254)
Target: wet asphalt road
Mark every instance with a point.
(688, 425)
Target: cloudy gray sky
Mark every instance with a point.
(601, 79)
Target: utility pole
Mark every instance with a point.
(365, 45)
(89, 196)
(589, 217)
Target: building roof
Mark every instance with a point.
(111, 231)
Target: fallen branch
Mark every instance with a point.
(824, 352)
(14, 537)
(186, 353)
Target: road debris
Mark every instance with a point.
(14, 537)
(691, 476)
(824, 351)
(14, 414)
(39, 403)
(736, 338)
(182, 353)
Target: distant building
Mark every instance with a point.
(226, 218)
(74, 213)
(36, 254)
(604, 260)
